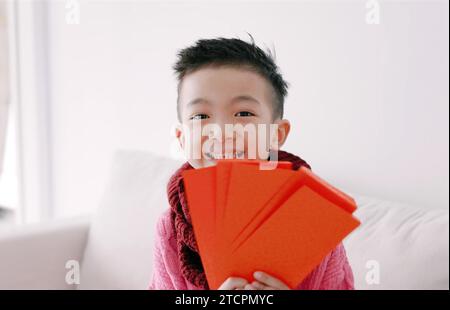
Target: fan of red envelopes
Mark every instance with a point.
(280, 221)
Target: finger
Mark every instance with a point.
(249, 287)
(258, 285)
(269, 280)
(237, 282)
(232, 283)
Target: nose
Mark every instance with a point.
(222, 133)
(220, 137)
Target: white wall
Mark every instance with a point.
(368, 103)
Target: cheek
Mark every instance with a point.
(194, 146)
(263, 146)
(196, 159)
(257, 146)
(192, 139)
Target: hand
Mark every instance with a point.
(263, 281)
(233, 283)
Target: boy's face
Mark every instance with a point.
(227, 95)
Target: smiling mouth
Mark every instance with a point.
(215, 156)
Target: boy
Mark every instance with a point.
(223, 82)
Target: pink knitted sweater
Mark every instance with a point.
(333, 273)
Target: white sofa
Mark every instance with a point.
(406, 247)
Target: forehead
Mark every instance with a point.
(223, 83)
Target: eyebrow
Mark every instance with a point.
(244, 98)
(197, 101)
(234, 100)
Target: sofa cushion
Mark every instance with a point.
(407, 246)
(118, 254)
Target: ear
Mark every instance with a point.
(284, 127)
(180, 135)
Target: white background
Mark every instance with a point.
(368, 104)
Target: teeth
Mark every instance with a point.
(238, 155)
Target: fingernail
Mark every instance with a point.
(258, 274)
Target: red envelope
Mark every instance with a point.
(292, 242)
(249, 191)
(200, 189)
(298, 178)
(280, 221)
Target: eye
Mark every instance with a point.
(244, 114)
(199, 116)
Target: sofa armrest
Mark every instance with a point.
(34, 256)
